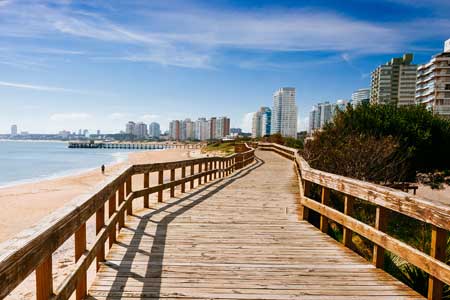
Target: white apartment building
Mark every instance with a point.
(141, 130)
(154, 130)
(360, 96)
(202, 129)
(433, 83)
(284, 113)
(129, 128)
(394, 82)
(261, 122)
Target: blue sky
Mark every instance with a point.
(97, 64)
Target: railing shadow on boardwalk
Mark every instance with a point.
(156, 255)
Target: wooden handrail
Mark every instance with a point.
(386, 199)
(32, 249)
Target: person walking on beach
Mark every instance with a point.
(103, 169)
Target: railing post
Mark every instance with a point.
(121, 199)
(99, 223)
(80, 248)
(183, 175)
(306, 191)
(325, 199)
(215, 169)
(44, 280)
(111, 211)
(192, 180)
(199, 171)
(160, 181)
(128, 192)
(348, 210)
(211, 168)
(380, 224)
(437, 250)
(146, 185)
(206, 170)
(172, 179)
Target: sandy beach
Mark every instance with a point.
(24, 205)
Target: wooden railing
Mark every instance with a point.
(385, 199)
(32, 250)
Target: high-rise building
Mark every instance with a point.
(261, 122)
(213, 128)
(189, 129)
(314, 119)
(323, 113)
(141, 130)
(14, 129)
(284, 113)
(202, 129)
(433, 83)
(256, 125)
(360, 96)
(394, 82)
(222, 127)
(174, 130)
(130, 128)
(154, 130)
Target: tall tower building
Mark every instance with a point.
(222, 127)
(261, 122)
(130, 128)
(284, 113)
(174, 130)
(433, 83)
(154, 130)
(394, 82)
(14, 129)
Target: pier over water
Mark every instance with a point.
(144, 146)
(245, 226)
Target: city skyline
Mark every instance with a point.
(89, 64)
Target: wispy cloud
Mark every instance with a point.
(117, 116)
(246, 122)
(194, 36)
(44, 88)
(72, 116)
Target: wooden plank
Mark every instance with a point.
(128, 191)
(381, 222)
(111, 211)
(121, 200)
(80, 248)
(192, 174)
(437, 250)
(183, 175)
(200, 171)
(160, 181)
(348, 210)
(325, 200)
(172, 179)
(44, 280)
(146, 185)
(99, 223)
(306, 193)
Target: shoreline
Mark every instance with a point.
(123, 157)
(37, 198)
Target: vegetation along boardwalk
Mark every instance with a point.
(237, 238)
(243, 226)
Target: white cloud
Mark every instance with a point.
(72, 116)
(246, 123)
(44, 88)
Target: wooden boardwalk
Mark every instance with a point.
(237, 238)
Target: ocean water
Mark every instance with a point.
(22, 162)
